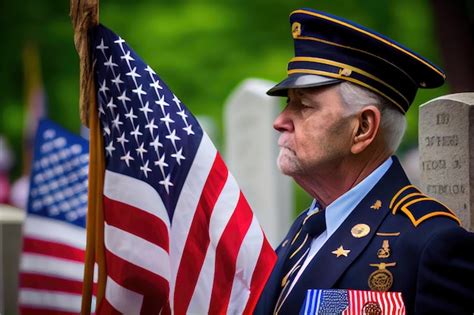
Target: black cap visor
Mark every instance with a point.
(300, 81)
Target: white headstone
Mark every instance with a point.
(446, 142)
(11, 220)
(251, 152)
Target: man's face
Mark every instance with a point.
(315, 131)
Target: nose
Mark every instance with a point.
(283, 121)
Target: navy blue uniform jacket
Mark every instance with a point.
(433, 255)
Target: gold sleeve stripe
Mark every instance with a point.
(452, 212)
(415, 222)
(394, 210)
(373, 36)
(399, 193)
(339, 76)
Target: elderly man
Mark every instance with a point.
(368, 228)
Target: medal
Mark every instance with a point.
(371, 308)
(381, 279)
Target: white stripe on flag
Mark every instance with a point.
(386, 302)
(246, 261)
(313, 301)
(221, 214)
(306, 301)
(52, 266)
(201, 298)
(48, 229)
(223, 209)
(49, 300)
(357, 301)
(137, 251)
(399, 303)
(318, 302)
(187, 203)
(136, 193)
(396, 306)
(122, 299)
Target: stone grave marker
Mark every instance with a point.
(251, 152)
(446, 142)
(11, 220)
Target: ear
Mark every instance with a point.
(367, 129)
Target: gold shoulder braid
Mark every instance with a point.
(418, 207)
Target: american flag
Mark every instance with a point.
(352, 302)
(54, 235)
(179, 235)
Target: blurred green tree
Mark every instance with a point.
(202, 48)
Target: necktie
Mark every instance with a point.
(312, 226)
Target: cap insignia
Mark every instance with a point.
(345, 72)
(296, 29)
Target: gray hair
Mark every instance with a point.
(393, 121)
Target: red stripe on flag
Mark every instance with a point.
(198, 237)
(353, 302)
(166, 310)
(36, 281)
(35, 311)
(105, 308)
(137, 222)
(155, 289)
(226, 256)
(260, 275)
(32, 245)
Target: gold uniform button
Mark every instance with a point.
(360, 230)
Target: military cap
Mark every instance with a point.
(329, 49)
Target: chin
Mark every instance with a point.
(287, 166)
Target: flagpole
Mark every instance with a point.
(95, 214)
(85, 15)
(34, 101)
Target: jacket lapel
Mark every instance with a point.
(317, 275)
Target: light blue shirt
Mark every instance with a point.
(340, 209)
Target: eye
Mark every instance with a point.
(305, 104)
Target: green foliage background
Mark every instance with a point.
(201, 48)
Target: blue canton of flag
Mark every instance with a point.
(54, 235)
(58, 184)
(325, 302)
(138, 113)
